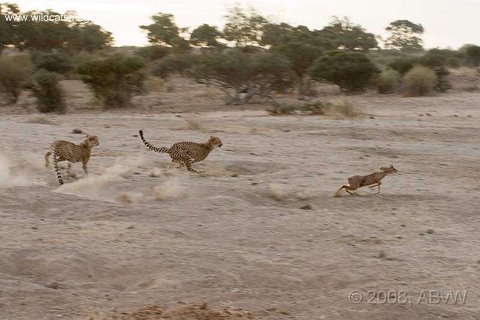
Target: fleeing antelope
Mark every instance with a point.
(372, 180)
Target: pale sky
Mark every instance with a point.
(447, 23)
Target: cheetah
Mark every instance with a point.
(66, 151)
(372, 180)
(186, 153)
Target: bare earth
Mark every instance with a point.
(136, 234)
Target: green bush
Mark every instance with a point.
(454, 62)
(14, 75)
(442, 84)
(47, 90)
(350, 70)
(419, 81)
(403, 65)
(472, 53)
(153, 53)
(115, 79)
(53, 61)
(388, 81)
(437, 57)
(171, 64)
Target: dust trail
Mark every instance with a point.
(96, 186)
(17, 170)
(170, 190)
(281, 192)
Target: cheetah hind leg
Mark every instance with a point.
(176, 164)
(69, 171)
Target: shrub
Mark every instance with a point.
(437, 57)
(49, 94)
(403, 65)
(14, 75)
(153, 84)
(472, 54)
(152, 53)
(282, 108)
(114, 80)
(171, 64)
(442, 84)
(343, 107)
(454, 62)
(419, 81)
(53, 61)
(350, 70)
(388, 81)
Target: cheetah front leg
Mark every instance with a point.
(84, 166)
(188, 165)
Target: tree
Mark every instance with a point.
(115, 79)
(43, 36)
(88, 37)
(165, 32)
(7, 28)
(244, 28)
(235, 72)
(349, 36)
(273, 34)
(349, 70)
(14, 75)
(302, 47)
(405, 36)
(205, 36)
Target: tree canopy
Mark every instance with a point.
(165, 32)
(243, 28)
(405, 36)
(349, 36)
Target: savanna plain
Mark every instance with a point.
(258, 234)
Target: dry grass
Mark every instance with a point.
(343, 107)
(40, 120)
(154, 84)
(285, 108)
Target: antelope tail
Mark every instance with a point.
(55, 168)
(149, 145)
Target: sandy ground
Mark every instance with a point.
(135, 233)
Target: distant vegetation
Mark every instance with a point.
(251, 57)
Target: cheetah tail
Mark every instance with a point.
(55, 168)
(149, 145)
(47, 162)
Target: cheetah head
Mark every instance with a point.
(92, 141)
(215, 141)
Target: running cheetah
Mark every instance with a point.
(186, 153)
(66, 151)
